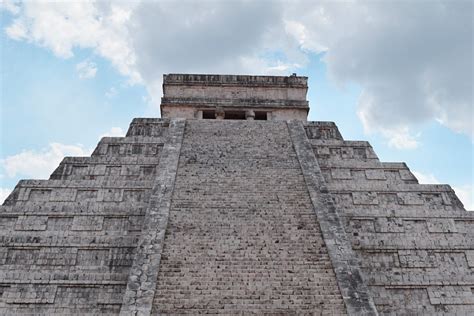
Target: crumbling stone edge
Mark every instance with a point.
(142, 279)
(346, 266)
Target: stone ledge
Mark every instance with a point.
(237, 80)
(214, 102)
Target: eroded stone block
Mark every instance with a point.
(30, 294)
(31, 222)
(365, 198)
(441, 225)
(87, 222)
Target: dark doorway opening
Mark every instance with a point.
(209, 115)
(261, 116)
(234, 115)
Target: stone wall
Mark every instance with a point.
(67, 243)
(284, 96)
(415, 242)
(242, 236)
(234, 217)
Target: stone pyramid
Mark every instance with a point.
(233, 204)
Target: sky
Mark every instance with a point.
(396, 73)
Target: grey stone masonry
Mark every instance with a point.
(67, 243)
(415, 242)
(281, 97)
(345, 263)
(242, 236)
(142, 280)
(234, 204)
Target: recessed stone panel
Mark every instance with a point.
(365, 198)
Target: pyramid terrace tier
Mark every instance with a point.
(189, 216)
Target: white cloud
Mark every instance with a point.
(40, 164)
(63, 26)
(464, 192)
(4, 193)
(114, 132)
(86, 69)
(112, 92)
(413, 61)
(10, 6)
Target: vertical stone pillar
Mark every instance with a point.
(220, 114)
(198, 115)
(250, 115)
(141, 285)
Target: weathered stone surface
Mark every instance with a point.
(414, 241)
(243, 237)
(242, 207)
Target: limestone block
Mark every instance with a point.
(112, 195)
(135, 223)
(77, 296)
(113, 170)
(59, 223)
(470, 258)
(86, 195)
(40, 195)
(405, 174)
(3, 255)
(121, 257)
(389, 225)
(87, 223)
(114, 150)
(22, 256)
(411, 198)
(375, 174)
(92, 257)
(57, 256)
(137, 149)
(341, 173)
(322, 132)
(322, 151)
(30, 294)
(111, 295)
(380, 260)
(417, 258)
(415, 225)
(134, 195)
(393, 176)
(118, 224)
(130, 170)
(359, 153)
(365, 198)
(147, 170)
(441, 225)
(80, 170)
(448, 295)
(389, 199)
(347, 152)
(465, 226)
(99, 169)
(31, 222)
(371, 153)
(361, 226)
(7, 222)
(335, 152)
(433, 199)
(62, 195)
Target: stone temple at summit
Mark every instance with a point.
(232, 203)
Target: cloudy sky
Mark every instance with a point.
(396, 73)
